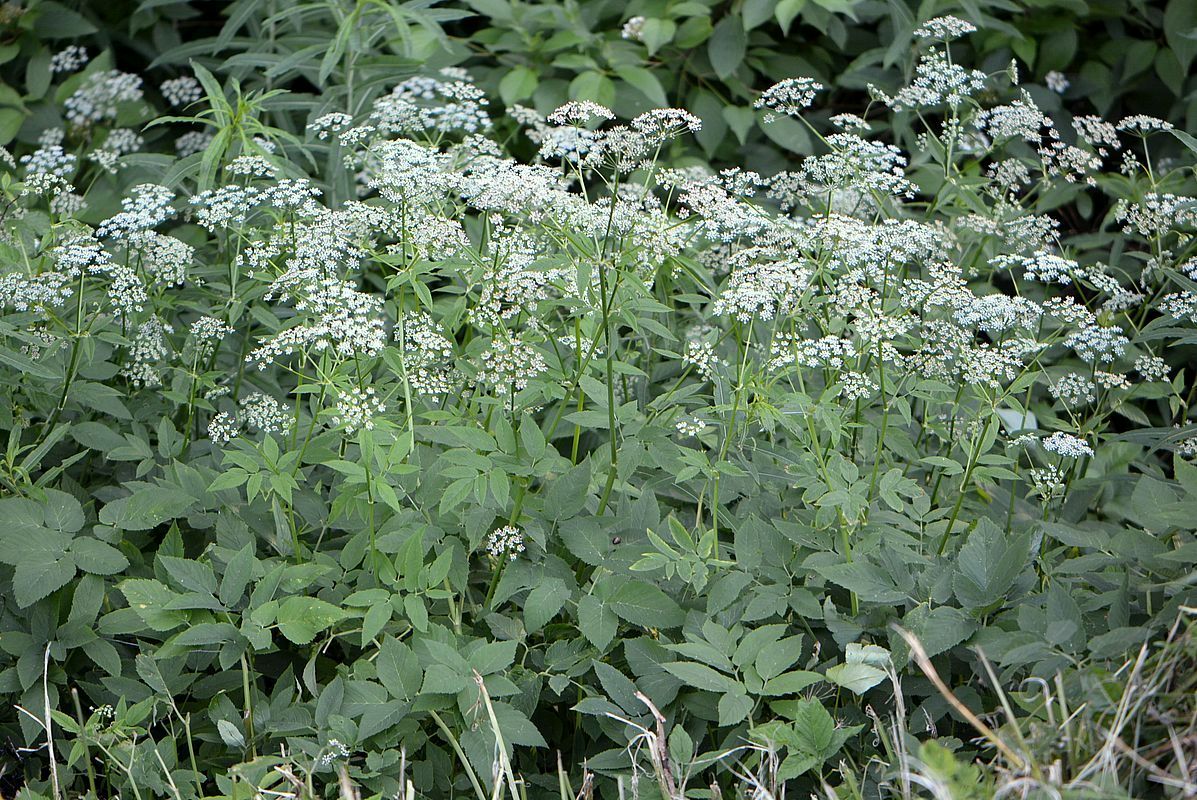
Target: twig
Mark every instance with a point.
(49, 725)
(920, 657)
(660, 753)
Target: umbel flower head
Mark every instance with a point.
(945, 28)
(505, 542)
(357, 409)
(789, 97)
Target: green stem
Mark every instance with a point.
(247, 695)
(974, 457)
(461, 756)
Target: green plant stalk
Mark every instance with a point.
(974, 457)
(191, 752)
(461, 756)
(247, 699)
(498, 732)
(880, 440)
(91, 771)
(73, 364)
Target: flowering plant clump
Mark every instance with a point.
(404, 446)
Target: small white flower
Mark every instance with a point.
(1056, 82)
(510, 364)
(68, 59)
(1047, 482)
(357, 408)
(856, 386)
(334, 122)
(336, 750)
(665, 123)
(1111, 380)
(181, 91)
(633, 29)
(1067, 445)
(252, 166)
(789, 97)
(944, 28)
(263, 413)
(193, 142)
(1073, 390)
(206, 332)
(223, 428)
(580, 113)
(701, 356)
(505, 542)
(98, 99)
(1152, 368)
(1143, 124)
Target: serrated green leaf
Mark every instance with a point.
(647, 606)
(98, 558)
(301, 618)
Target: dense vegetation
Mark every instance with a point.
(499, 399)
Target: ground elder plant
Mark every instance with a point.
(596, 472)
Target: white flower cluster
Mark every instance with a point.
(263, 413)
(50, 158)
(223, 428)
(1097, 344)
(193, 142)
(1067, 445)
(253, 166)
(69, 59)
(334, 122)
(1152, 368)
(1156, 214)
(162, 257)
(762, 289)
(1074, 390)
(336, 751)
(461, 274)
(1042, 267)
(357, 409)
(148, 206)
(789, 97)
(206, 332)
(945, 28)
(446, 104)
(633, 29)
(335, 318)
(660, 124)
(1056, 81)
(937, 82)
(181, 91)
(510, 364)
(700, 354)
(148, 350)
(1143, 124)
(427, 353)
(581, 112)
(505, 542)
(100, 97)
(1020, 120)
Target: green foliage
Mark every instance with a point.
(367, 432)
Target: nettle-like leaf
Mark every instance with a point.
(988, 564)
(645, 605)
(864, 667)
(300, 619)
(147, 507)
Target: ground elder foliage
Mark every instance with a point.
(405, 442)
